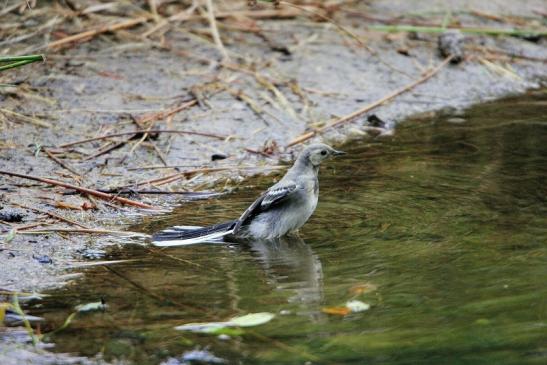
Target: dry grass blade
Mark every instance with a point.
(92, 33)
(283, 101)
(164, 114)
(500, 70)
(25, 118)
(107, 149)
(214, 30)
(136, 133)
(56, 216)
(79, 264)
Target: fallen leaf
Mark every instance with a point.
(248, 320)
(339, 311)
(356, 306)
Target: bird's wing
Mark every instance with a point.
(275, 195)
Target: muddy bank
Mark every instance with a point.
(293, 75)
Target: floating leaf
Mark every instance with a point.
(339, 311)
(207, 327)
(356, 306)
(251, 320)
(93, 306)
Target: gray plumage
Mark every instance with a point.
(281, 210)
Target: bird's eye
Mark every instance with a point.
(324, 152)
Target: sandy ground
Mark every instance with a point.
(294, 76)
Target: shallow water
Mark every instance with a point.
(447, 219)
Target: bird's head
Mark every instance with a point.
(316, 153)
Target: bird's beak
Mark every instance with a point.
(338, 153)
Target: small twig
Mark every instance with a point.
(160, 154)
(178, 17)
(136, 145)
(83, 190)
(31, 225)
(136, 133)
(108, 149)
(193, 194)
(92, 33)
(80, 264)
(264, 154)
(162, 167)
(54, 158)
(51, 214)
(151, 117)
(358, 113)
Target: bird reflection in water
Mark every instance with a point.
(291, 265)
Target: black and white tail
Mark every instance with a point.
(187, 235)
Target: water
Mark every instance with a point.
(447, 219)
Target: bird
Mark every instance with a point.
(281, 210)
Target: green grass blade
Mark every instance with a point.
(32, 57)
(18, 61)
